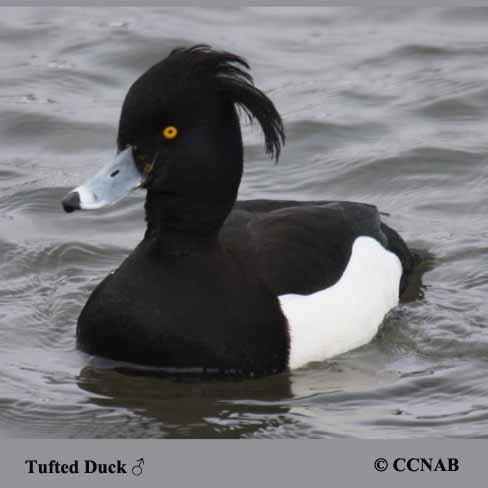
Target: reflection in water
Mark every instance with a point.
(191, 405)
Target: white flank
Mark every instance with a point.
(348, 314)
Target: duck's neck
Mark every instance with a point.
(181, 226)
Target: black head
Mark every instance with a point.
(181, 119)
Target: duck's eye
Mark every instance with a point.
(170, 132)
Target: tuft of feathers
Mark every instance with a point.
(228, 72)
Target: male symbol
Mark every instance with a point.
(137, 468)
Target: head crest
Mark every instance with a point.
(228, 72)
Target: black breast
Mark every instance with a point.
(201, 310)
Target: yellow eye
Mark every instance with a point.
(170, 132)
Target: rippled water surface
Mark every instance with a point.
(385, 106)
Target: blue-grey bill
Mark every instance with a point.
(112, 183)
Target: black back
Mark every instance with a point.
(304, 247)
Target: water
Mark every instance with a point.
(385, 106)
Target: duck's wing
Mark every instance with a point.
(305, 247)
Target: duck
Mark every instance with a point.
(251, 287)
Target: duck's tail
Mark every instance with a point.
(408, 258)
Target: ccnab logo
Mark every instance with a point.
(426, 464)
